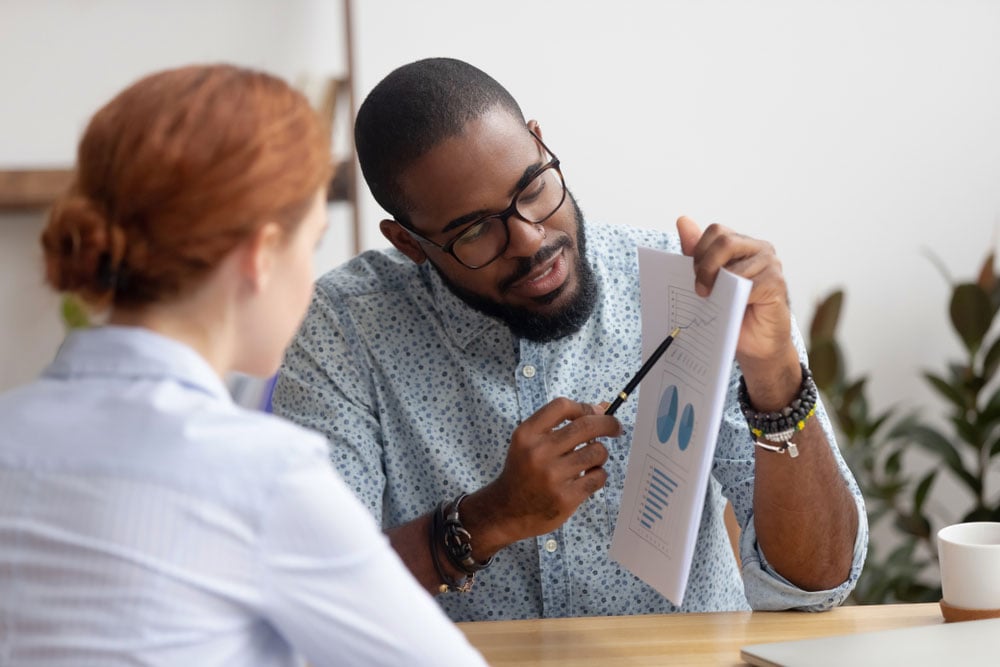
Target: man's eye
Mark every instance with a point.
(534, 189)
(477, 231)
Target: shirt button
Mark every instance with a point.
(528, 371)
(551, 545)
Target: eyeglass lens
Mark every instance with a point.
(485, 240)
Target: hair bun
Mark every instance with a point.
(80, 245)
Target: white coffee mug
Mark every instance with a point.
(969, 555)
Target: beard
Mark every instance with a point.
(526, 323)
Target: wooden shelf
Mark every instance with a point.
(37, 189)
(32, 189)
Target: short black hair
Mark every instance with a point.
(413, 109)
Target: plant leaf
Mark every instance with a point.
(955, 396)
(971, 314)
(967, 431)
(893, 463)
(824, 361)
(979, 514)
(994, 450)
(913, 524)
(939, 265)
(877, 423)
(987, 275)
(920, 495)
(935, 442)
(853, 392)
(991, 360)
(74, 314)
(824, 322)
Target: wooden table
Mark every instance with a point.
(675, 639)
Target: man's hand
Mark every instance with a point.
(765, 350)
(553, 465)
(804, 514)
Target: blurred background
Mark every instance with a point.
(859, 137)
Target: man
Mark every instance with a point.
(439, 367)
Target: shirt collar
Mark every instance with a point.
(134, 353)
(462, 322)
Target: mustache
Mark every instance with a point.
(525, 265)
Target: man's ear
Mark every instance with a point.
(402, 240)
(535, 127)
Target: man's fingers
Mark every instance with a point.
(590, 482)
(555, 412)
(590, 455)
(689, 233)
(586, 429)
(569, 424)
(721, 248)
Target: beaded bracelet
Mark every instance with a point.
(780, 426)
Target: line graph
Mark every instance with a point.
(691, 357)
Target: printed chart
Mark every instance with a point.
(680, 407)
(692, 354)
(675, 415)
(653, 521)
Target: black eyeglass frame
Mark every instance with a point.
(504, 215)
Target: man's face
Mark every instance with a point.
(542, 285)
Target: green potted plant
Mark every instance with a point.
(963, 440)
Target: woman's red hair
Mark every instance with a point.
(173, 173)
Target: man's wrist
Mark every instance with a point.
(483, 519)
(772, 384)
(458, 542)
(439, 558)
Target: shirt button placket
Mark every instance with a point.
(530, 379)
(555, 590)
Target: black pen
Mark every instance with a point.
(634, 382)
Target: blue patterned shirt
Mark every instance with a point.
(418, 395)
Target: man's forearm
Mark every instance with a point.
(804, 514)
(412, 542)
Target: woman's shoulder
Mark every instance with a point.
(266, 441)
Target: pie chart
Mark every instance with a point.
(667, 419)
(686, 427)
(666, 414)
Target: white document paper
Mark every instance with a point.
(680, 407)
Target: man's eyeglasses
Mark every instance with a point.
(488, 237)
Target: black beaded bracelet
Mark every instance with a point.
(781, 425)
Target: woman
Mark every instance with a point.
(144, 518)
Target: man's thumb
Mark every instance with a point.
(689, 232)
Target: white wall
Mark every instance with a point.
(853, 135)
(60, 60)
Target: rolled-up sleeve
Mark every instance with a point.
(734, 469)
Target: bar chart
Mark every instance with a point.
(653, 521)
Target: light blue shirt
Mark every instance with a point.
(418, 395)
(147, 520)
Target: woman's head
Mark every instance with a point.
(174, 173)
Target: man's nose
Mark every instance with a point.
(525, 237)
